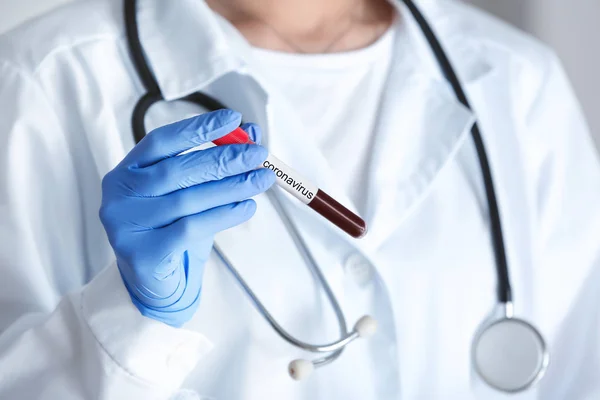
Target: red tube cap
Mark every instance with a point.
(237, 136)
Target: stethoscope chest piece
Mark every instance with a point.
(510, 355)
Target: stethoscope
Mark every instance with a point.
(508, 353)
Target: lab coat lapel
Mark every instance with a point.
(185, 45)
(420, 129)
(422, 125)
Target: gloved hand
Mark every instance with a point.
(161, 211)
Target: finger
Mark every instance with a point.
(157, 212)
(253, 131)
(194, 168)
(170, 140)
(193, 230)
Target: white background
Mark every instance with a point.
(570, 26)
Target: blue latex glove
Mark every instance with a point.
(161, 210)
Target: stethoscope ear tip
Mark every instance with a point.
(366, 326)
(300, 369)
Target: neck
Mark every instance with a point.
(311, 24)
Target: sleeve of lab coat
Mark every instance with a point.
(90, 343)
(566, 172)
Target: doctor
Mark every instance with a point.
(134, 304)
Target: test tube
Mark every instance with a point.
(302, 189)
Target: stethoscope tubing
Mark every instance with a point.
(504, 290)
(335, 348)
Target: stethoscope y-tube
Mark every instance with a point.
(498, 346)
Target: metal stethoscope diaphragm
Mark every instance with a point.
(509, 353)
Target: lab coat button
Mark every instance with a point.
(359, 269)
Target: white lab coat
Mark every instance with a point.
(425, 270)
